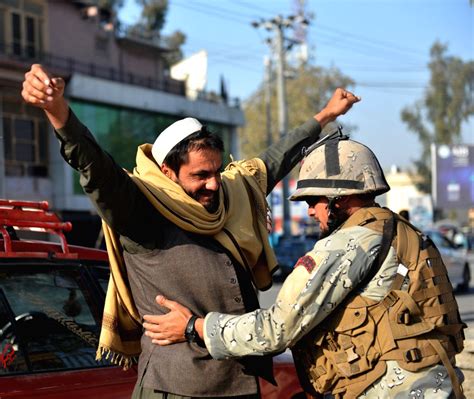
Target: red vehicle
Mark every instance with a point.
(51, 301)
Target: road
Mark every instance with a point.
(465, 360)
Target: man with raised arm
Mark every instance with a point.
(181, 227)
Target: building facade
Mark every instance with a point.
(118, 83)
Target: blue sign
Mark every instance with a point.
(453, 176)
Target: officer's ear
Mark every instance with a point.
(342, 202)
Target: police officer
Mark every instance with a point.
(369, 312)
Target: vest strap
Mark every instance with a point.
(437, 290)
(440, 310)
(435, 269)
(449, 367)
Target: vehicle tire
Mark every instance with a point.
(466, 278)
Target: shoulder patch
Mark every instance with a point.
(307, 262)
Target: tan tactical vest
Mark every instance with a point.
(417, 325)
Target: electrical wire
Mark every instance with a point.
(356, 43)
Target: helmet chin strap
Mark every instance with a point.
(333, 221)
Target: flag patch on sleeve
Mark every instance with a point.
(307, 262)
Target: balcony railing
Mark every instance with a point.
(68, 66)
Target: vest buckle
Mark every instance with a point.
(389, 300)
(332, 343)
(403, 318)
(351, 355)
(412, 355)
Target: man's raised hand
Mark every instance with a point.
(44, 91)
(341, 101)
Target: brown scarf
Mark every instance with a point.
(239, 225)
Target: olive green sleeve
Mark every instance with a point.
(117, 199)
(281, 157)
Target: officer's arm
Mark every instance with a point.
(320, 281)
(282, 157)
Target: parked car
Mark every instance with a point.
(455, 258)
(289, 250)
(51, 300)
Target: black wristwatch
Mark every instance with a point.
(190, 332)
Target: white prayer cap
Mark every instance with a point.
(172, 135)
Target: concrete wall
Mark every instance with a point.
(29, 188)
(85, 40)
(108, 92)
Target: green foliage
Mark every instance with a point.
(153, 15)
(308, 91)
(447, 103)
(112, 5)
(151, 22)
(174, 43)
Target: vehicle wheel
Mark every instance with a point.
(466, 278)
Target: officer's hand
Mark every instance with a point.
(42, 90)
(168, 328)
(340, 102)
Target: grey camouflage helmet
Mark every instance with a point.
(339, 167)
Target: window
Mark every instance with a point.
(25, 145)
(16, 33)
(21, 27)
(49, 319)
(30, 37)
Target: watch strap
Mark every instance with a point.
(190, 331)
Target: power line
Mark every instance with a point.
(253, 7)
(368, 49)
(371, 41)
(234, 56)
(224, 13)
(393, 85)
(333, 34)
(211, 12)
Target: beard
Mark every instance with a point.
(335, 220)
(208, 199)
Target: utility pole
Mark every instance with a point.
(268, 99)
(278, 25)
(283, 122)
(268, 119)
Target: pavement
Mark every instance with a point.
(465, 361)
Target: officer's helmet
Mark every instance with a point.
(338, 167)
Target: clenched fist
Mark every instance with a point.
(44, 91)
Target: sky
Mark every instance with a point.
(383, 45)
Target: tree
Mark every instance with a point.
(113, 5)
(307, 92)
(447, 103)
(153, 15)
(174, 43)
(152, 20)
